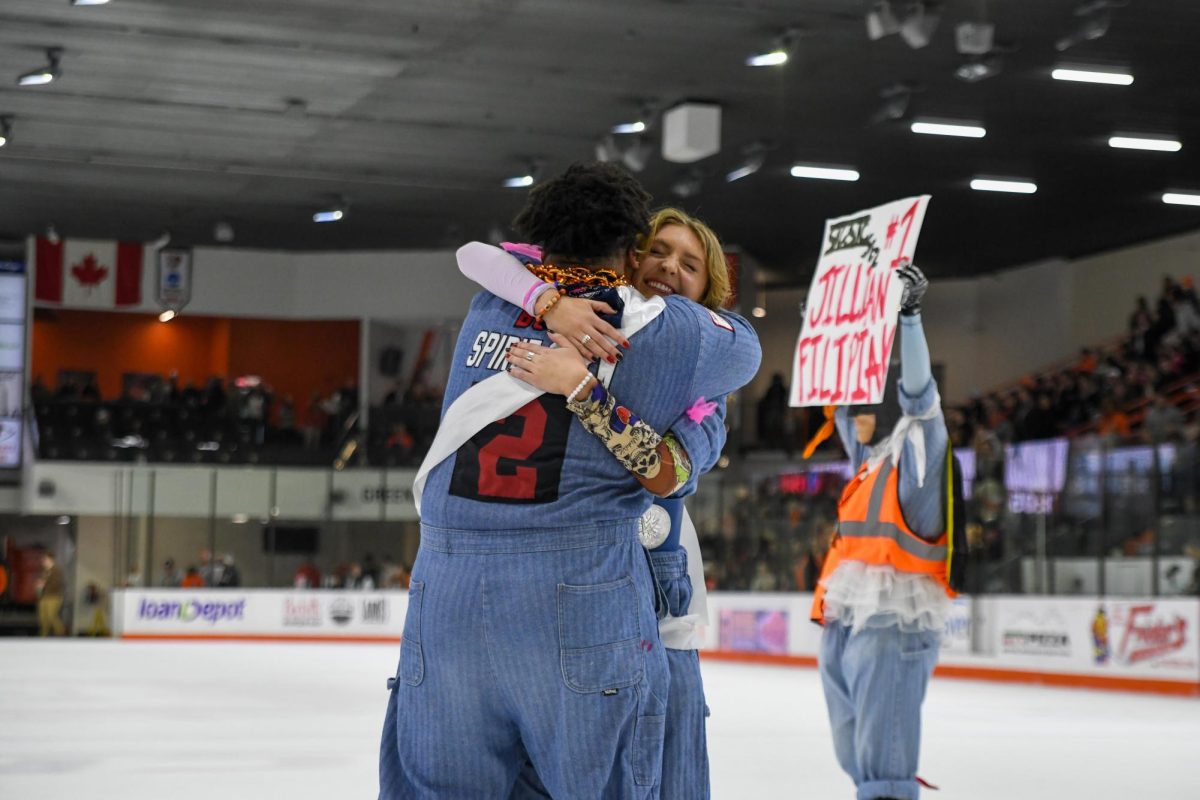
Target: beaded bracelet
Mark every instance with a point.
(558, 296)
(579, 388)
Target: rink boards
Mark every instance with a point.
(1126, 643)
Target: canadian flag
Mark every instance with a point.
(91, 274)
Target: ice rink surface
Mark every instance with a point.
(92, 720)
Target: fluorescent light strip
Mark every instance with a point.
(518, 182)
(1181, 199)
(772, 59)
(824, 173)
(629, 127)
(328, 216)
(1138, 143)
(947, 129)
(1090, 76)
(992, 185)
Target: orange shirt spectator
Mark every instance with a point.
(192, 579)
(1116, 422)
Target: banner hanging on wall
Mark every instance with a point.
(174, 278)
(850, 314)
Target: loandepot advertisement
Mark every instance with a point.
(259, 614)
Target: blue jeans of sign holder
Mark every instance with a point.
(519, 642)
(874, 683)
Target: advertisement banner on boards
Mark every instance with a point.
(849, 322)
(1099, 636)
(261, 613)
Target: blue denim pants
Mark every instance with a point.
(685, 747)
(519, 644)
(874, 684)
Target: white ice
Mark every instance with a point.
(151, 721)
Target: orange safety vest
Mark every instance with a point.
(871, 529)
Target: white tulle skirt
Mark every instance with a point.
(862, 595)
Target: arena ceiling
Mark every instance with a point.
(179, 114)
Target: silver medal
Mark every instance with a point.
(654, 527)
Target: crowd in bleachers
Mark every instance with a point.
(156, 419)
(1141, 387)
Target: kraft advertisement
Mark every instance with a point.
(261, 613)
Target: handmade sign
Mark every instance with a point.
(850, 316)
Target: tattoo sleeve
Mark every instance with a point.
(638, 447)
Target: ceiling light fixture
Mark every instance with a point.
(824, 172)
(780, 52)
(1181, 198)
(1161, 145)
(637, 154)
(1096, 18)
(89, 2)
(949, 129)
(896, 98)
(919, 24)
(43, 75)
(629, 127)
(5, 130)
(334, 213)
(881, 21)
(528, 178)
(1091, 76)
(974, 38)
(754, 156)
(999, 185)
(979, 68)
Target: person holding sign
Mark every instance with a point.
(883, 594)
(680, 255)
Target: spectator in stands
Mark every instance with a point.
(287, 421)
(192, 579)
(38, 392)
(307, 576)
(370, 572)
(1113, 422)
(210, 569)
(764, 579)
(1163, 421)
(52, 587)
(1040, 422)
(1087, 361)
(1192, 551)
(192, 397)
(230, 576)
(772, 411)
(400, 443)
(1140, 323)
(170, 576)
(313, 423)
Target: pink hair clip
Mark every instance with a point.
(530, 250)
(700, 409)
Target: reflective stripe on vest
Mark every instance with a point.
(888, 530)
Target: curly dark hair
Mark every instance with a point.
(591, 211)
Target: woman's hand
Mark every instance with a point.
(557, 370)
(579, 321)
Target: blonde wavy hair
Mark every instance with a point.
(714, 256)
